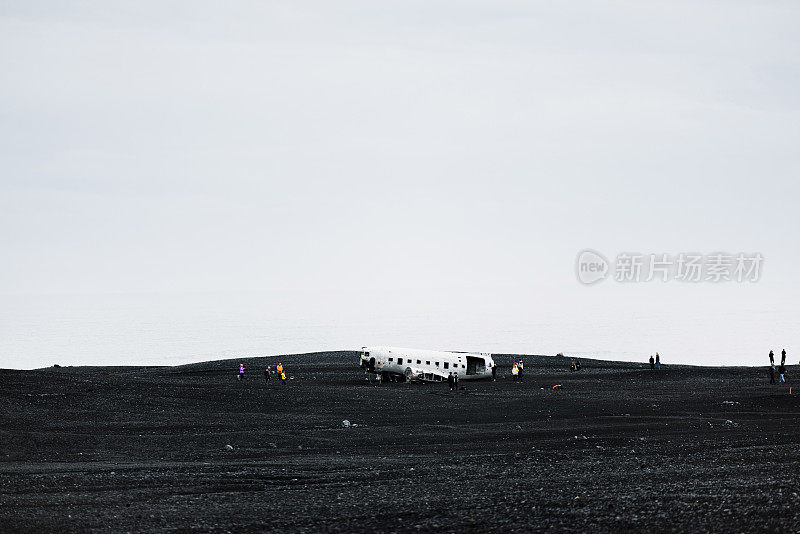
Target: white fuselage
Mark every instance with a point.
(426, 364)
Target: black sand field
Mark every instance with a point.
(618, 448)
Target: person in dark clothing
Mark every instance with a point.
(494, 372)
(455, 381)
(658, 362)
(771, 358)
(451, 381)
(783, 357)
(772, 374)
(781, 372)
(652, 363)
(267, 374)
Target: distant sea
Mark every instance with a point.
(177, 328)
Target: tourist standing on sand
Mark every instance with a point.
(450, 381)
(514, 371)
(781, 372)
(494, 373)
(771, 358)
(652, 363)
(772, 374)
(783, 357)
(267, 373)
(455, 381)
(658, 362)
(283, 378)
(241, 372)
(521, 369)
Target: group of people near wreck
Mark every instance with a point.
(781, 369)
(452, 381)
(655, 363)
(268, 372)
(517, 370)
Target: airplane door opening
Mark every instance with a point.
(475, 365)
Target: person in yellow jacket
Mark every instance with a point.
(283, 378)
(279, 368)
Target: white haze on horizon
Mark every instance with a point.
(439, 164)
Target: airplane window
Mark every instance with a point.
(419, 362)
(427, 363)
(366, 354)
(446, 365)
(437, 364)
(400, 361)
(390, 359)
(462, 365)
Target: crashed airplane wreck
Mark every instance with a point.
(393, 364)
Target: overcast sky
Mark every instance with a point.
(148, 146)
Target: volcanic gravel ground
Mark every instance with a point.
(619, 447)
